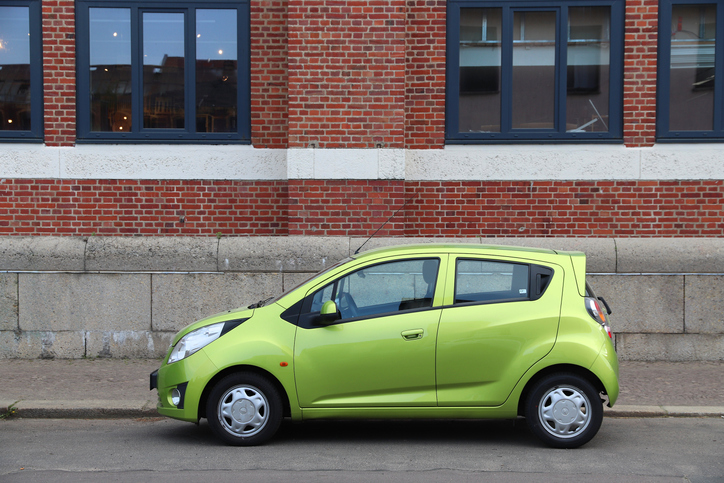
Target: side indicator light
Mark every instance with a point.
(284, 364)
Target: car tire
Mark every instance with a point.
(564, 410)
(244, 409)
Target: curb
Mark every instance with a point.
(664, 412)
(147, 409)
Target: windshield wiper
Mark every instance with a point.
(260, 303)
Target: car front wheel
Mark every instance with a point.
(244, 409)
(564, 410)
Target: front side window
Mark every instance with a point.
(534, 71)
(163, 72)
(690, 104)
(20, 71)
(382, 289)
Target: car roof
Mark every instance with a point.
(430, 248)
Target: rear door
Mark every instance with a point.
(500, 317)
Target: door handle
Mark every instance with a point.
(413, 334)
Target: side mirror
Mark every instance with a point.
(329, 313)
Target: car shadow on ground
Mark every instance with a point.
(512, 432)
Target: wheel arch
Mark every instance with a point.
(555, 369)
(243, 368)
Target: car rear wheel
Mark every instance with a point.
(564, 410)
(244, 409)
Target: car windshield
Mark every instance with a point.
(319, 274)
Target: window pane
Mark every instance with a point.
(216, 71)
(480, 54)
(14, 68)
(534, 57)
(388, 287)
(110, 69)
(163, 70)
(589, 47)
(481, 281)
(691, 100)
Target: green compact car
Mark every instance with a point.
(417, 331)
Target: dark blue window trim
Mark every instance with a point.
(138, 134)
(558, 134)
(663, 133)
(35, 134)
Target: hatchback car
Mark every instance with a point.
(417, 331)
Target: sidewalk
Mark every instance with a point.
(105, 388)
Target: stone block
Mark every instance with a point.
(292, 280)
(42, 344)
(281, 254)
(643, 303)
(600, 252)
(670, 347)
(128, 344)
(703, 313)
(180, 299)
(78, 302)
(8, 301)
(42, 253)
(670, 255)
(382, 242)
(186, 254)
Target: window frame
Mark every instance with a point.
(557, 135)
(663, 133)
(36, 132)
(535, 289)
(139, 134)
(307, 316)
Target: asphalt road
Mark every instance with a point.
(163, 450)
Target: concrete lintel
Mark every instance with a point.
(281, 254)
(61, 253)
(146, 253)
(670, 255)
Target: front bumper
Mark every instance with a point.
(189, 378)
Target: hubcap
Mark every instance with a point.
(564, 411)
(243, 410)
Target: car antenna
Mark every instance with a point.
(387, 221)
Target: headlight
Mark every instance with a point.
(195, 340)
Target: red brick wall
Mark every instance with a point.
(131, 207)
(425, 74)
(269, 96)
(639, 85)
(359, 207)
(346, 73)
(566, 208)
(58, 25)
(345, 208)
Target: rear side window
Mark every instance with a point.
(482, 281)
(492, 281)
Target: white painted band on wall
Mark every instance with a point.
(479, 162)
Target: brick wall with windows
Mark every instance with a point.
(357, 75)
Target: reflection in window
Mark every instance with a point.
(216, 71)
(691, 75)
(110, 69)
(14, 69)
(534, 70)
(480, 57)
(163, 70)
(589, 47)
(483, 281)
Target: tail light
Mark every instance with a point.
(598, 314)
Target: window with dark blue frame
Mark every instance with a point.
(534, 71)
(163, 71)
(690, 102)
(21, 72)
